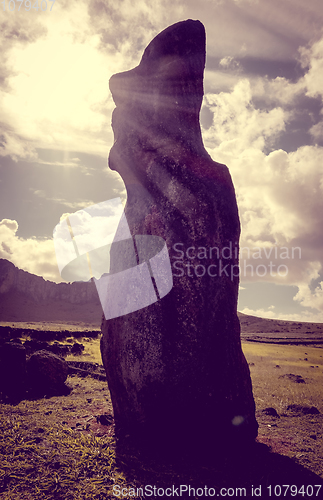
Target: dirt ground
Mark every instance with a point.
(292, 433)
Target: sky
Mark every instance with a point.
(262, 115)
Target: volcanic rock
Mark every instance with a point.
(298, 379)
(303, 409)
(176, 372)
(270, 411)
(46, 373)
(77, 348)
(105, 419)
(35, 345)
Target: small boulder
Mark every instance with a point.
(77, 348)
(105, 419)
(35, 345)
(303, 410)
(298, 379)
(60, 349)
(271, 412)
(46, 372)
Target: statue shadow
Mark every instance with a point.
(251, 472)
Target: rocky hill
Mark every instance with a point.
(280, 331)
(26, 297)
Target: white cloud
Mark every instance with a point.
(16, 147)
(238, 126)
(261, 313)
(91, 230)
(280, 199)
(70, 163)
(218, 81)
(37, 256)
(56, 94)
(313, 57)
(127, 27)
(56, 65)
(120, 189)
(280, 194)
(73, 205)
(57, 89)
(12, 225)
(283, 91)
(275, 91)
(229, 62)
(307, 316)
(317, 131)
(310, 298)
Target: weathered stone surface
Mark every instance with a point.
(47, 372)
(175, 369)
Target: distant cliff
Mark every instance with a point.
(27, 297)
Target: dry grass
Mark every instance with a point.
(299, 437)
(91, 351)
(54, 449)
(47, 455)
(271, 361)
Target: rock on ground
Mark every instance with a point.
(46, 372)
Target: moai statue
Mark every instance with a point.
(175, 368)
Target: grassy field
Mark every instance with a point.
(269, 363)
(56, 449)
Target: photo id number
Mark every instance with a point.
(13, 5)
